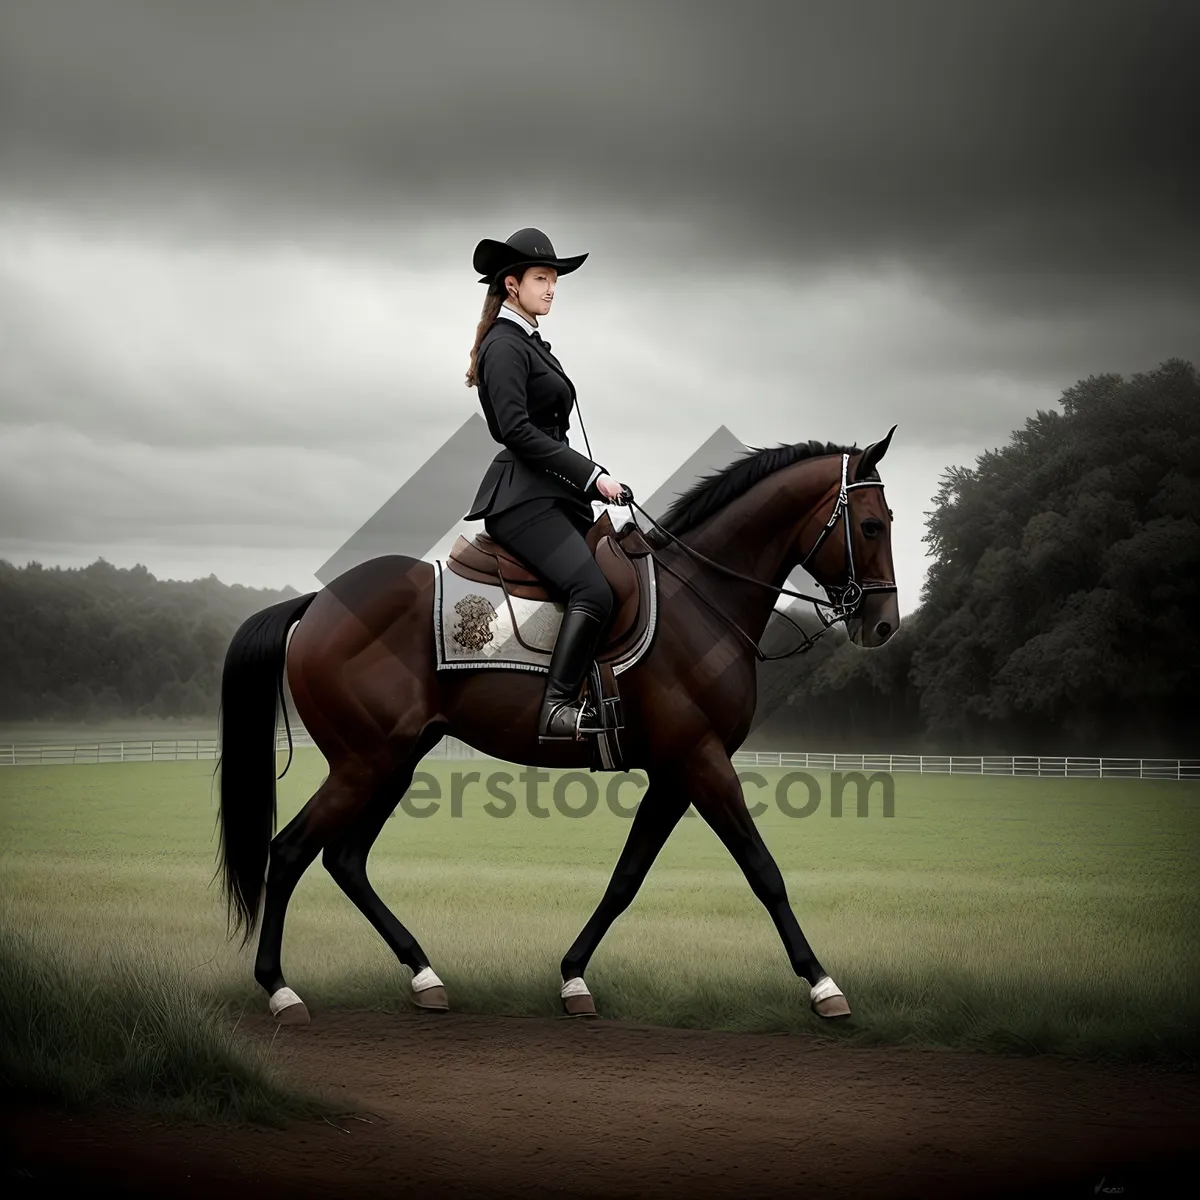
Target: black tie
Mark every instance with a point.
(537, 337)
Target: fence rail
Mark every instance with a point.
(1042, 766)
(195, 749)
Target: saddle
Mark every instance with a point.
(617, 554)
(625, 559)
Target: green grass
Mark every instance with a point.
(1023, 915)
(131, 1034)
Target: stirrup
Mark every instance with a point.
(563, 711)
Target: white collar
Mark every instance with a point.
(512, 315)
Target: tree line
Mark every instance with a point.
(1059, 614)
(100, 642)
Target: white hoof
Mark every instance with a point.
(287, 1008)
(577, 1000)
(429, 991)
(827, 1000)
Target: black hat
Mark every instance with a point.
(526, 248)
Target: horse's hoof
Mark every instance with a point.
(827, 999)
(833, 1006)
(577, 1000)
(294, 1014)
(433, 999)
(287, 1008)
(429, 992)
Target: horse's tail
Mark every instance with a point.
(251, 685)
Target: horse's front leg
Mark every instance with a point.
(663, 803)
(714, 788)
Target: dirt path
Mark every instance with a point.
(493, 1106)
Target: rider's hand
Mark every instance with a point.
(609, 488)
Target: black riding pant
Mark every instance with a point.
(550, 537)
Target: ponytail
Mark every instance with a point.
(491, 309)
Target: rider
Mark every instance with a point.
(535, 498)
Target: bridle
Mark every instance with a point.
(844, 599)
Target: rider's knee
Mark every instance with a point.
(595, 598)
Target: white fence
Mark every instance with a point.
(974, 764)
(164, 750)
(186, 749)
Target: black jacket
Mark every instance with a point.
(527, 400)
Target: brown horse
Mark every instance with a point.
(362, 671)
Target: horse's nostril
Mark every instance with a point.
(883, 629)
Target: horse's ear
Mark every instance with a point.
(871, 456)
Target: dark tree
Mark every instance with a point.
(99, 642)
(1059, 614)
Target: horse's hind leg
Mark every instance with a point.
(292, 851)
(345, 859)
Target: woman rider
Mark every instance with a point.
(535, 499)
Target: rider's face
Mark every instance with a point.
(535, 292)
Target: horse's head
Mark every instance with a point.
(847, 548)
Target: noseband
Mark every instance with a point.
(844, 599)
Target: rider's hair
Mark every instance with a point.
(491, 310)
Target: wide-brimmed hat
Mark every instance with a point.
(526, 248)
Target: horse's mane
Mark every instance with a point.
(714, 491)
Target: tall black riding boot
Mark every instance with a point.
(574, 652)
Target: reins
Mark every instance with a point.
(844, 599)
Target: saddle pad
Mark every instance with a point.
(474, 625)
(477, 625)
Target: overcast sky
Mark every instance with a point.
(235, 240)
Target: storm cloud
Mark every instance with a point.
(235, 241)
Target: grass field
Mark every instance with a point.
(1025, 915)
(125, 1033)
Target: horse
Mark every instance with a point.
(359, 658)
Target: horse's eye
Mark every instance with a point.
(872, 528)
